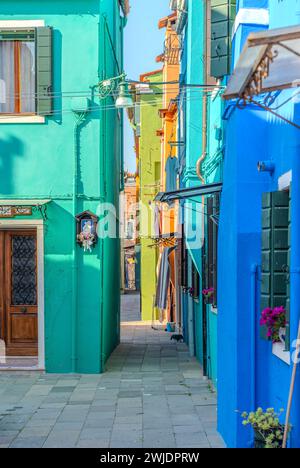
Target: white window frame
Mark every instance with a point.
(278, 349)
(21, 119)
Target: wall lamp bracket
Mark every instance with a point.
(266, 166)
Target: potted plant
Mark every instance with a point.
(275, 320)
(268, 430)
(208, 295)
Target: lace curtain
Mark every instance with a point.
(7, 84)
(17, 76)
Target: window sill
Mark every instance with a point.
(22, 119)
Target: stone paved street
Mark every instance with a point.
(152, 395)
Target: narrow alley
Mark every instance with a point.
(152, 395)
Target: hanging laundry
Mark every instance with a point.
(157, 221)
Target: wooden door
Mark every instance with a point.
(18, 298)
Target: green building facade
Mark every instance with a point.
(60, 155)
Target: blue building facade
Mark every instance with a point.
(252, 372)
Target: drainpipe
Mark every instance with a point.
(80, 118)
(254, 269)
(198, 167)
(204, 105)
(204, 141)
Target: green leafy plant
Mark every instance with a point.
(266, 424)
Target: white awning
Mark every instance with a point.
(269, 61)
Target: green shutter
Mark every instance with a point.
(265, 298)
(275, 251)
(222, 18)
(288, 302)
(44, 70)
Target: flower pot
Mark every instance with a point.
(259, 441)
(282, 335)
(209, 299)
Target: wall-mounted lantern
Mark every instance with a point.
(87, 230)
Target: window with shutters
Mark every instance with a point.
(195, 282)
(130, 229)
(223, 14)
(26, 71)
(275, 264)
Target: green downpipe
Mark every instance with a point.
(102, 60)
(80, 118)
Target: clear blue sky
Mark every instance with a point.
(143, 41)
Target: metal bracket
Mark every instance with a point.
(42, 209)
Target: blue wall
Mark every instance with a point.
(249, 374)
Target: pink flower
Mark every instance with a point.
(274, 319)
(207, 292)
(278, 311)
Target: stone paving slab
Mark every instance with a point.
(153, 395)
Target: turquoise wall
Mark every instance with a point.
(38, 161)
(194, 74)
(212, 169)
(198, 329)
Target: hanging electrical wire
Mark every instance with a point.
(109, 87)
(103, 93)
(92, 109)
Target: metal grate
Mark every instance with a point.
(172, 50)
(23, 271)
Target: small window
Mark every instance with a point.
(130, 230)
(26, 71)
